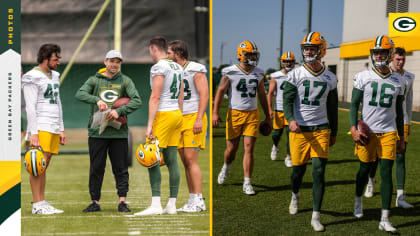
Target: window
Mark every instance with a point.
(396, 6)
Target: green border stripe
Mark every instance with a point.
(9, 202)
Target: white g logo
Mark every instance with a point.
(109, 95)
(404, 24)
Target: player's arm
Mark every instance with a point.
(201, 84)
(30, 92)
(332, 113)
(289, 95)
(218, 98)
(135, 100)
(271, 88)
(85, 92)
(400, 123)
(181, 96)
(62, 136)
(409, 106)
(262, 97)
(157, 86)
(356, 99)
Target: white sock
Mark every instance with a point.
(171, 201)
(226, 166)
(384, 215)
(358, 199)
(400, 192)
(38, 204)
(315, 215)
(247, 180)
(192, 196)
(200, 196)
(371, 180)
(296, 195)
(156, 201)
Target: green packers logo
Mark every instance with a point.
(43, 164)
(243, 45)
(404, 24)
(26, 165)
(109, 96)
(141, 154)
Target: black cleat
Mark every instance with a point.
(93, 207)
(123, 207)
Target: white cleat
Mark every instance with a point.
(369, 189)
(169, 209)
(248, 189)
(53, 209)
(274, 151)
(387, 226)
(288, 162)
(400, 202)
(358, 207)
(294, 204)
(222, 176)
(195, 206)
(317, 226)
(42, 210)
(151, 210)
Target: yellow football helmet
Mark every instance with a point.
(382, 43)
(314, 39)
(34, 161)
(288, 56)
(148, 154)
(245, 48)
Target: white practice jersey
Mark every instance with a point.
(42, 98)
(379, 99)
(310, 105)
(281, 79)
(172, 73)
(191, 96)
(243, 87)
(408, 96)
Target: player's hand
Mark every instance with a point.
(34, 140)
(149, 132)
(271, 113)
(294, 127)
(62, 138)
(356, 135)
(198, 126)
(216, 120)
(400, 146)
(102, 106)
(112, 115)
(332, 140)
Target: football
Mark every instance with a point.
(364, 129)
(265, 128)
(121, 102)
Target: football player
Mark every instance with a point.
(164, 122)
(310, 104)
(381, 93)
(193, 134)
(397, 67)
(277, 83)
(45, 117)
(245, 81)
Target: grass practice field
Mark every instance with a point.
(67, 189)
(267, 212)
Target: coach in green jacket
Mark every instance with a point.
(101, 91)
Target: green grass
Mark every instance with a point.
(67, 189)
(267, 213)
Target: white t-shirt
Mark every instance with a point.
(310, 105)
(243, 87)
(191, 96)
(379, 99)
(42, 98)
(172, 73)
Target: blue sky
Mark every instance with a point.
(259, 21)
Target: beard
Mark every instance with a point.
(52, 67)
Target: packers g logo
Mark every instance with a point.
(243, 45)
(141, 154)
(109, 95)
(404, 24)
